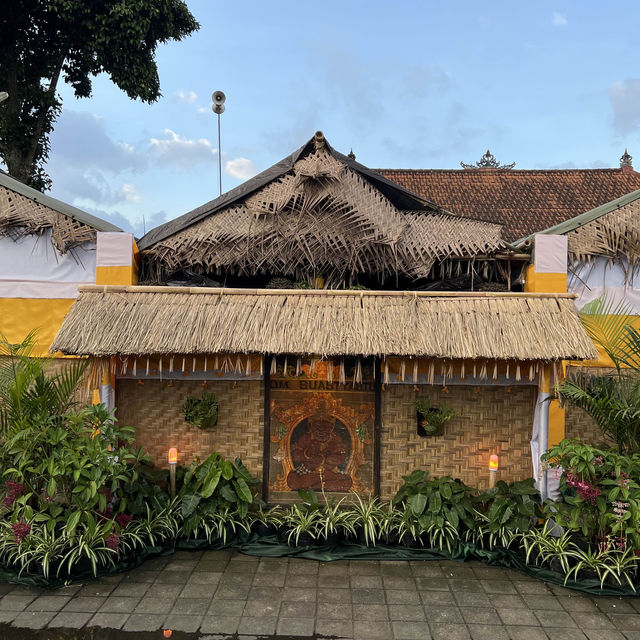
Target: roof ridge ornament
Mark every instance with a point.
(626, 160)
(488, 161)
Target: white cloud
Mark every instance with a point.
(558, 19)
(241, 168)
(177, 150)
(203, 110)
(130, 192)
(186, 96)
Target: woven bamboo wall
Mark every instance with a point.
(491, 421)
(579, 425)
(154, 409)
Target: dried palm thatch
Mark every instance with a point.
(321, 217)
(164, 320)
(612, 235)
(20, 216)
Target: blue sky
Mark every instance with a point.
(405, 84)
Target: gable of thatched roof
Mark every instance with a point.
(107, 321)
(316, 212)
(25, 211)
(611, 230)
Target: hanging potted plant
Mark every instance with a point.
(201, 412)
(431, 420)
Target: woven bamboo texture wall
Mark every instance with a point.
(154, 409)
(491, 421)
(579, 425)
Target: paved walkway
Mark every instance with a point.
(220, 593)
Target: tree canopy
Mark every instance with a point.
(43, 41)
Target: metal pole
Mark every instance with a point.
(219, 158)
(172, 478)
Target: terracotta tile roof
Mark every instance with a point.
(524, 201)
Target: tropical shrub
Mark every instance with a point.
(613, 400)
(504, 512)
(213, 486)
(600, 491)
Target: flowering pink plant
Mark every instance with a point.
(14, 491)
(20, 531)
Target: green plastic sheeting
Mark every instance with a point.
(270, 546)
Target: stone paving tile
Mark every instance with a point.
(410, 630)
(335, 595)
(335, 628)
(33, 619)
(266, 593)
(226, 608)
(265, 625)
(334, 582)
(371, 596)
(498, 586)
(577, 603)
(110, 620)
(301, 581)
(366, 582)
(449, 632)
(297, 610)
(334, 611)
(437, 597)
(406, 612)
(548, 603)
(474, 586)
(371, 630)
(603, 634)
(293, 627)
(471, 599)
(487, 632)
(613, 605)
(370, 612)
(555, 619)
(402, 596)
(144, 622)
(564, 634)
(48, 603)
(101, 589)
(173, 577)
(501, 601)
(15, 603)
(260, 608)
(220, 624)
(591, 620)
(482, 616)
(625, 621)
(84, 603)
(114, 604)
(299, 594)
(182, 622)
(364, 568)
(225, 593)
(131, 589)
(429, 584)
(191, 606)
(514, 617)
(526, 633)
(71, 619)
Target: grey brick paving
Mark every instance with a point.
(222, 593)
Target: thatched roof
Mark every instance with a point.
(25, 211)
(171, 320)
(315, 213)
(611, 231)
